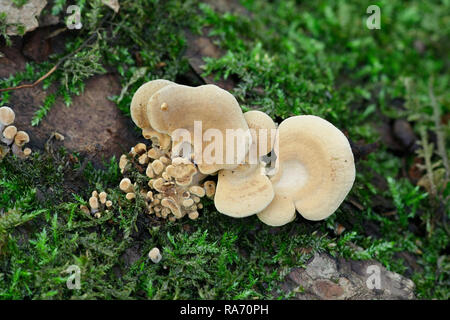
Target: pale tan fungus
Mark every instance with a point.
(125, 185)
(155, 255)
(102, 197)
(214, 107)
(263, 132)
(140, 99)
(210, 188)
(7, 117)
(93, 203)
(316, 171)
(243, 191)
(130, 196)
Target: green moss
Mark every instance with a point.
(288, 58)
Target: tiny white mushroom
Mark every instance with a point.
(155, 255)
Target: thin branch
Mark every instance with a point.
(31, 85)
(54, 68)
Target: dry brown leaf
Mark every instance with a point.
(113, 4)
(25, 15)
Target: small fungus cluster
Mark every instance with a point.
(315, 162)
(174, 185)
(98, 204)
(11, 138)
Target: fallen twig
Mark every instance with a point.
(53, 69)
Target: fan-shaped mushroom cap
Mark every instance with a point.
(263, 133)
(140, 99)
(243, 191)
(316, 170)
(209, 105)
(93, 203)
(279, 212)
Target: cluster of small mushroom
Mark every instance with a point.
(174, 186)
(98, 204)
(315, 168)
(10, 137)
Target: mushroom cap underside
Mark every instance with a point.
(316, 166)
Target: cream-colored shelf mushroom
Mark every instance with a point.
(138, 107)
(138, 110)
(158, 139)
(7, 132)
(263, 131)
(316, 171)
(243, 191)
(176, 107)
(246, 190)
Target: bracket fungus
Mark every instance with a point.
(138, 107)
(246, 190)
(315, 166)
(243, 191)
(316, 171)
(205, 112)
(263, 131)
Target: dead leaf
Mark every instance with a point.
(438, 177)
(113, 4)
(25, 15)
